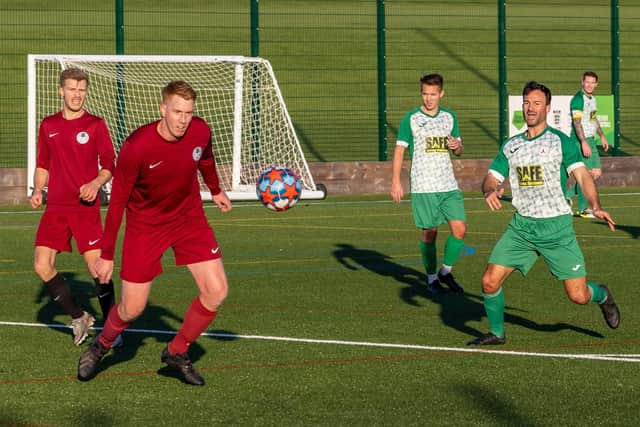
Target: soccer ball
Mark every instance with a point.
(279, 188)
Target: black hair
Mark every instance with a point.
(432, 80)
(533, 85)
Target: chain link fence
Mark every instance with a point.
(325, 56)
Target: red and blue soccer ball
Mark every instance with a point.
(279, 188)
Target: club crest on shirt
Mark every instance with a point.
(197, 153)
(82, 137)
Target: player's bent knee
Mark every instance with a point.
(43, 270)
(489, 286)
(458, 229)
(130, 312)
(215, 296)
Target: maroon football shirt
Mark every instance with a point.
(157, 180)
(73, 151)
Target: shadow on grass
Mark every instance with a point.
(97, 416)
(159, 323)
(156, 319)
(82, 292)
(632, 230)
(494, 408)
(455, 309)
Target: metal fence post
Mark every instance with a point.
(255, 28)
(502, 71)
(120, 104)
(382, 83)
(255, 82)
(119, 27)
(615, 72)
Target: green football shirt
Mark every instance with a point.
(426, 137)
(584, 108)
(538, 170)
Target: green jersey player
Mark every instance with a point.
(585, 127)
(431, 132)
(537, 163)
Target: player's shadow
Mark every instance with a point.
(632, 230)
(456, 310)
(155, 323)
(49, 310)
(354, 258)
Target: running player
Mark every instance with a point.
(537, 163)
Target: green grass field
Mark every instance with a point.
(328, 322)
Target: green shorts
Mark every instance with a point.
(592, 162)
(552, 238)
(433, 209)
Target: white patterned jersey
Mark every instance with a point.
(584, 108)
(538, 169)
(426, 137)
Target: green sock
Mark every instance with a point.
(452, 250)
(582, 201)
(598, 294)
(494, 306)
(429, 256)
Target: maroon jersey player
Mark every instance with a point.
(155, 183)
(75, 159)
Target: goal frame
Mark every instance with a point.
(237, 191)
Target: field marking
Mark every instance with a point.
(633, 358)
(325, 202)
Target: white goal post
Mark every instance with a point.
(238, 96)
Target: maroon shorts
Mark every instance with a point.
(191, 239)
(56, 229)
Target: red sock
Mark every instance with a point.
(196, 320)
(112, 327)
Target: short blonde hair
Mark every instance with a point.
(180, 88)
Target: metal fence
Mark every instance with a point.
(329, 56)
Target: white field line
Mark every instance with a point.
(319, 202)
(634, 358)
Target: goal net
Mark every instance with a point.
(238, 96)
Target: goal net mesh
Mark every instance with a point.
(239, 97)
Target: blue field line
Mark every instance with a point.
(631, 358)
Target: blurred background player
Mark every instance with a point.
(537, 163)
(584, 128)
(431, 132)
(156, 181)
(75, 159)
